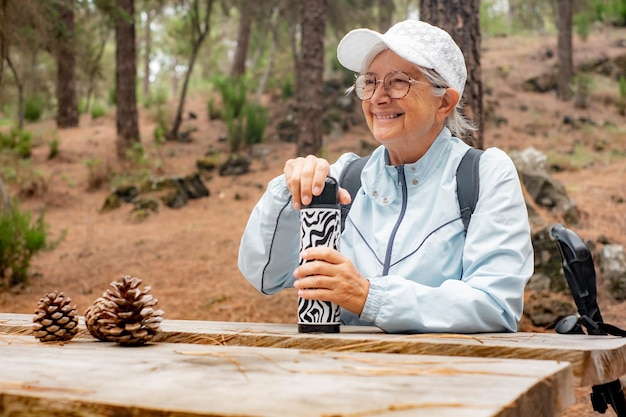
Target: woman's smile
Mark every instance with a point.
(387, 116)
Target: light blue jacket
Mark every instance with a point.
(405, 235)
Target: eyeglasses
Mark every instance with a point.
(396, 84)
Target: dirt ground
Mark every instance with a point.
(188, 255)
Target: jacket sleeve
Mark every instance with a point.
(497, 263)
(269, 250)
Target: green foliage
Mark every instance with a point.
(582, 25)
(256, 122)
(613, 11)
(97, 111)
(620, 12)
(54, 148)
(599, 7)
(235, 130)
(20, 239)
(82, 106)
(248, 128)
(33, 108)
(136, 155)
(97, 173)
(141, 163)
(112, 95)
(531, 15)
(580, 157)
(215, 112)
(159, 99)
(233, 92)
(245, 122)
(160, 134)
(287, 88)
(493, 19)
(17, 141)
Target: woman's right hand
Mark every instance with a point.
(305, 178)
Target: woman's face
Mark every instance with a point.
(406, 126)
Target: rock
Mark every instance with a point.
(544, 190)
(612, 265)
(206, 163)
(539, 282)
(235, 165)
(548, 262)
(174, 192)
(111, 202)
(126, 193)
(146, 203)
(173, 198)
(545, 308)
(193, 186)
(287, 129)
(540, 84)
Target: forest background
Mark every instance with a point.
(96, 96)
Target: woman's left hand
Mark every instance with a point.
(329, 276)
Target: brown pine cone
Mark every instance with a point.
(125, 314)
(96, 316)
(55, 318)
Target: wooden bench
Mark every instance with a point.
(88, 378)
(595, 359)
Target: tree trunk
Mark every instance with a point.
(5, 207)
(273, 23)
(146, 56)
(564, 23)
(311, 78)
(200, 31)
(3, 41)
(462, 20)
(20, 92)
(126, 79)
(243, 39)
(385, 15)
(67, 110)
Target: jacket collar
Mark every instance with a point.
(380, 179)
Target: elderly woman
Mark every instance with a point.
(406, 263)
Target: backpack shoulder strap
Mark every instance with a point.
(350, 179)
(468, 184)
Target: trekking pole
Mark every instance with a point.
(581, 278)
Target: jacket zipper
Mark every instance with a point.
(392, 237)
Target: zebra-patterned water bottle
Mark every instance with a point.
(320, 225)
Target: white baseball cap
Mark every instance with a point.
(413, 40)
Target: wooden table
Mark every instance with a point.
(595, 359)
(87, 378)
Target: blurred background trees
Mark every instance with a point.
(71, 61)
(63, 58)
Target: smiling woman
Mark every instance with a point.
(405, 262)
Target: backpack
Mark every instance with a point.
(467, 184)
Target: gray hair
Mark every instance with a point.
(459, 125)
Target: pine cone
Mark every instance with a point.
(99, 313)
(124, 314)
(55, 318)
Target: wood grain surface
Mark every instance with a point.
(595, 359)
(89, 378)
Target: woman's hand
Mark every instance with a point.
(305, 178)
(329, 276)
